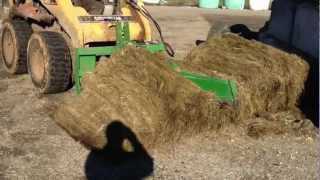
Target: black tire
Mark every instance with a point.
(49, 62)
(14, 39)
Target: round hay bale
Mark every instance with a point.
(142, 91)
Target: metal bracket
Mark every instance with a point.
(86, 57)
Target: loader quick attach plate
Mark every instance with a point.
(86, 58)
(224, 90)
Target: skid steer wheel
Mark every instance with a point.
(49, 62)
(14, 41)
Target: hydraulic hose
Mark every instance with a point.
(146, 13)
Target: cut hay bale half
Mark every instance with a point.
(268, 79)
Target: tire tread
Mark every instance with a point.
(59, 63)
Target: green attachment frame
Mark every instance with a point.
(86, 58)
(224, 90)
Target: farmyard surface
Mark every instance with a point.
(32, 146)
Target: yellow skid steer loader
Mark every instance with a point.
(42, 37)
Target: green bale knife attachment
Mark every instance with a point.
(224, 90)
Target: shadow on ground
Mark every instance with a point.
(116, 162)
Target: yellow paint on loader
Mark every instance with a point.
(83, 33)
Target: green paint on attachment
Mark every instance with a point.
(224, 90)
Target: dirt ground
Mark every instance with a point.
(33, 147)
